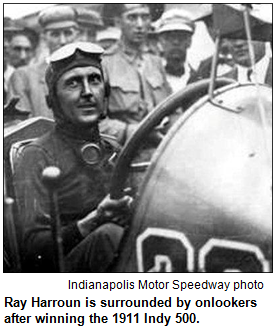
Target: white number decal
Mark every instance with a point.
(163, 250)
(158, 256)
(160, 262)
(239, 257)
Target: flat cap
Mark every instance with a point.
(58, 17)
(176, 20)
(30, 33)
(110, 33)
(18, 27)
(10, 26)
(88, 18)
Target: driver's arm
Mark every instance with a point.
(107, 211)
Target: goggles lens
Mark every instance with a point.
(70, 49)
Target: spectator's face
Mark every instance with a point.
(135, 23)
(20, 51)
(175, 45)
(240, 51)
(56, 38)
(81, 95)
(87, 34)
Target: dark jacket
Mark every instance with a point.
(80, 190)
(204, 71)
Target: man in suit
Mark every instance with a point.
(239, 67)
(225, 62)
(59, 25)
(243, 72)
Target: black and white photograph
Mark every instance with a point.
(137, 138)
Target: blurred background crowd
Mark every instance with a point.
(12, 13)
(180, 35)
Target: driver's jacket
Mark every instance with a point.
(80, 189)
(137, 83)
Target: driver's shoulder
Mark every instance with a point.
(114, 128)
(39, 149)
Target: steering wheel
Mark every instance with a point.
(182, 99)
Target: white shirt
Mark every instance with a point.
(259, 71)
(7, 75)
(223, 69)
(179, 82)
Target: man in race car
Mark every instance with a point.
(89, 235)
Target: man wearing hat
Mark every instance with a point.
(10, 29)
(136, 77)
(175, 29)
(225, 64)
(89, 235)
(233, 59)
(90, 23)
(108, 37)
(243, 71)
(59, 25)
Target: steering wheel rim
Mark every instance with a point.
(191, 93)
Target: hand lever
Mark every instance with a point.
(51, 179)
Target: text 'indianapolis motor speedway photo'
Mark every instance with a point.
(137, 138)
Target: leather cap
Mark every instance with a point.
(58, 17)
(78, 54)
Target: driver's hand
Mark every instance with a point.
(163, 125)
(110, 209)
(155, 137)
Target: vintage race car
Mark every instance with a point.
(204, 199)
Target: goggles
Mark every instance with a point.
(79, 54)
(69, 50)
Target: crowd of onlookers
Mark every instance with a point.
(145, 59)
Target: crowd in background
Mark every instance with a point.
(166, 35)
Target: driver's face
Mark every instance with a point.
(81, 94)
